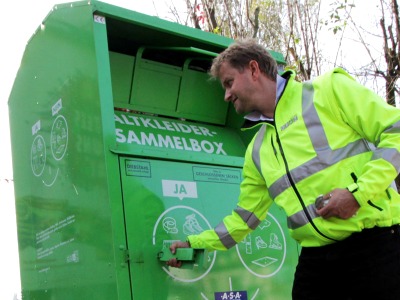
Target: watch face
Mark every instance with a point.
(320, 202)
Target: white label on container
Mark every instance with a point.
(180, 189)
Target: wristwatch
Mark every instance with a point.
(320, 202)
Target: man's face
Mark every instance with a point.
(238, 87)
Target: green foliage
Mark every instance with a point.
(338, 14)
(217, 30)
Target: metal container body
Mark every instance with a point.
(121, 144)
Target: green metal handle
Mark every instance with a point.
(181, 254)
(189, 257)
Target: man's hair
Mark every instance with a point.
(240, 53)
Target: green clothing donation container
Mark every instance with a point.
(121, 145)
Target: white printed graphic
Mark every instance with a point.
(260, 243)
(56, 107)
(190, 220)
(231, 294)
(167, 134)
(169, 225)
(99, 19)
(274, 242)
(74, 257)
(263, 252)
(265, 224)
(36, 127)
(46, 242)
(264, 261)
(43, 165)
(191, 225)
(38, 155)
(50, 177)
(59, 137)
(247, 242)
(179, 189)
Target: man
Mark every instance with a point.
(332, 140)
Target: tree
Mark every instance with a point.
(302, 41)
(290, 27)
(234, 19)
(385, 61)
(391, 35)
(387, 68)
(391, 46)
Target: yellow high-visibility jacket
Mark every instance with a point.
(329, 133)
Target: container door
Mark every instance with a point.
(165, 201)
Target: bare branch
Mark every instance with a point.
(256, 22)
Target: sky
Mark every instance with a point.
(18, 22)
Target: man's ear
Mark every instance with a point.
(254, 68)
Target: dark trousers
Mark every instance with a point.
(364, 266)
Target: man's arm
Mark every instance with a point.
(379, 123)
(254, 201)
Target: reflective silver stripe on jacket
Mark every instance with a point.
(394, 186)
(389, 154)
(325, 155)
(395, 128)
(225, 237)
(299, 219)
(257, 146)
(324, 158)
(317, 164)
(248, 217)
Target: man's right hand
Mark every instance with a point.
(173, 262)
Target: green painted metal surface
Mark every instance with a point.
(165, 201)
(147, 135)
(121, 145)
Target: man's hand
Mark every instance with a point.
(173, 262)
(342, 204)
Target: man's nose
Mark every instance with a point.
(228, 95)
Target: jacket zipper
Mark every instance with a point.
(275, 152)
(295, 189)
